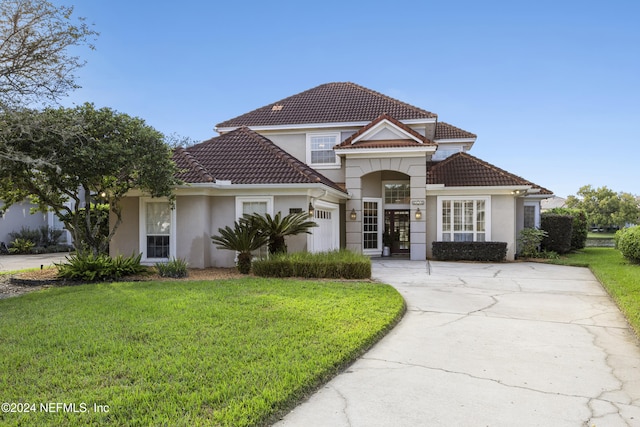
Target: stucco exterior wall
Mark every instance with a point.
(126, 239)
(193, 233)
(283, 204)
(293, 143)
(503, 222)
(223, 213)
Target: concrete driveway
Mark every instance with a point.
(21, 262)
(513, 344)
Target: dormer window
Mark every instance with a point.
(320, 151)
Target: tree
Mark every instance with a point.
(242, 238)
(278, 227)
(35, 39)
(604, 207)
(85, 156)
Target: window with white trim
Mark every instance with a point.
(464, 220)
(320, 150)
(255, 205)
(371, 224)
(157, 229)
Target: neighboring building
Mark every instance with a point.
(19, 216)
(552, 203)
(372, 169)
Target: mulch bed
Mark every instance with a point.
(21, 283)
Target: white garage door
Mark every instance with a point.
(326, 236)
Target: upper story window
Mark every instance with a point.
(397, 193)
(320, 149)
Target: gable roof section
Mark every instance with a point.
(342, 102)
(465, 170)
(244, 157)
(447, 131)
(414, 138)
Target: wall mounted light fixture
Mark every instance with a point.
(418, 214)
(311, 210)
(353, 215)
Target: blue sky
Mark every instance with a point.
(551, 88)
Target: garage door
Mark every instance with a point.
(326, 235)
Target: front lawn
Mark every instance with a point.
(617, 275)
(184, 353)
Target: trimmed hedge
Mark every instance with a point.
(580, 228)
(628, 243)
(330, 265)
(470, 251)
(559, 230)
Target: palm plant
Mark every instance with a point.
(276, 228)
(242, 238)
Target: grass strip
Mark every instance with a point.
(230, 353)
(618, 276)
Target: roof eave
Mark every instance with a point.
(512, 190)
(293, 186)
(391, 152)
(455, 140)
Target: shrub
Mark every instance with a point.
(333, 265)
(470, 251)
(176, 268)
(21, 246)
(559, 231)
(26, 233)
(278, 227)
(530, 240)
(44, 239)
(242, 238)
(86, 266)
(580, 226)
(627, 242)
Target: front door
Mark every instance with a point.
(397, 231)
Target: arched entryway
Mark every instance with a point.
(385, 213)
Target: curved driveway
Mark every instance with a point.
(512, 344)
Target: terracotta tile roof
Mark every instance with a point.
(465, 170)
(348, 143)
(447, 131)
(328, 103)
(244, 157)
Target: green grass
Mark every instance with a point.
(619, 277)
(233, 353)
(592, 235)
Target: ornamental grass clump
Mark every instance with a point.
(87, 266)
(176, 268)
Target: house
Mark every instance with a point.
(371, 169)
(21, 215)
(553, 203)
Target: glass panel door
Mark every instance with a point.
(397, 230)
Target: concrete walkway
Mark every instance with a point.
(513, 344)
(21, 262)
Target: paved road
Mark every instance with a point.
(513, 344)
(21, 262)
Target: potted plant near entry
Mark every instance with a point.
(386, 243)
